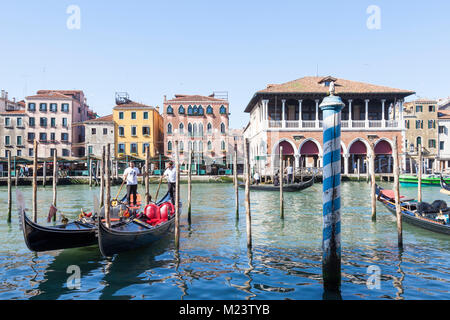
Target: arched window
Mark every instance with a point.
(223, 110)
(190, 129)
(223, 145)
(200, 146)
(209, 146)
(181, 128)
(209, 110)
(169, 128)
(169, 110)
(195, 109)
(200, 129)
(200, 110)
(209, 128)
(181, 110)
(222, 128)
(419, 141)
(181, 145)
(169, 146)
(190, 146)
(195, 130)
(190, 111)
(195, 146)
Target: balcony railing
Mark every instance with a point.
(345, 124)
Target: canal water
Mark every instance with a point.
(213, 261)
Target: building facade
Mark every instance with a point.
(136, 127)
(99, 132)
(13, 127)
(55, 120)
(198, 123)
(288, 115)
(421, 123)
(444, 141)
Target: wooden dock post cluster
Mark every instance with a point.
(331, 243)
(397, 194)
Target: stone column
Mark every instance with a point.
(317, 113)
(300, 124)
(346, 156)
(367, 113)
(383, 121)
(283, 110)
(350, 113)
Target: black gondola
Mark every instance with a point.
(445, 186)
(78, 233)
(133, 233)
(410, 213)
(287, 187)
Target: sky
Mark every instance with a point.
(155, 48)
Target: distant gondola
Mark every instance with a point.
(78, 233)
(286, 187)
(445, 186)
(410, 213)
(133, 233)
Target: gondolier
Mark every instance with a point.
(290, 174)
(171, 174)
(130, 175)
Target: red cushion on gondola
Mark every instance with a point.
(389, 194)
(152, 211)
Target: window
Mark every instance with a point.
(53, 122)
(7, 141)
(133, 115)
(209, 146)
(105, 131)
(431, 108)
(53, 107)
(223, 110)
(201, 111)
(7, 122)
(43, 107)
(90, 149)
(169, 146)
(133, 148)
(209, 110)
(209, 128)
(93, 131)
(79, 110)
(30, 152)
(419, 141)
(195, 109)
(121, 148)
(19, 153)
(169, 110)
(65, 153)
(146, 131)
(52, 136)
(181, 110)
(52, 152)
(146, 115)
(31, 122)
(189, 129)
(133, 131)
(121, 131)
(222, 128)
(30, 136)
(32, 107)
(431, 143)
(65, 107)
(407, 124)
(194, 146)
(169, 128)
(144, 147)
(419, 108)
(200, 130)
(222, 144)
(181, 128)
(190, 110)
(181, 145)
(441, 129)
(200, 146)
(64, 122)
(121, 115)
(19, 122)
(43, 122)
(430, 124)
(43, 136)
(441, 145)
(19, 140)
(64, 137)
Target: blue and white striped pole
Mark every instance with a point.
(331, 242)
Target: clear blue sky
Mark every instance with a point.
(156, 48)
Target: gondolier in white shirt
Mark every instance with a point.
(171, 175)
(290, 173)
(130, 175)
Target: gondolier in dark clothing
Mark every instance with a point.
(171, 175)
(130, 175)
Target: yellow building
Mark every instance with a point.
(137, 126)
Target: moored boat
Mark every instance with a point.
(445, 186)
(286, 187)
(412, 213)
(427, 179)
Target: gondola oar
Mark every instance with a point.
(114, 201)
(157, 191)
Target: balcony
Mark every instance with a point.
(353, 125)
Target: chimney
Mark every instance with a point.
(6, 96)
(165, 98)
(157, 108)
(3, 94)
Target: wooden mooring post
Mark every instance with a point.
(247, 193)
(397, 194)
(189, 195)
(9, 188)
(102, 178)
(281, 184)
(373, 196)
(236, 182)
(331, 241)
(35, 165)
(90, 172)
(147, 175)
(177, 198)
(419, 175)
(44, 174)
(108, 187)
(55, 179)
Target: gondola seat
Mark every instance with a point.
(152, 212)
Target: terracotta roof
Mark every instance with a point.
(424, 101)
(132, 104)
(13, 112)
(50, 95)
(194, 98)
(107, 118)
(313, 85)
(60, 91)
(444, 114)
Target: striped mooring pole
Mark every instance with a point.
(331, 242)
